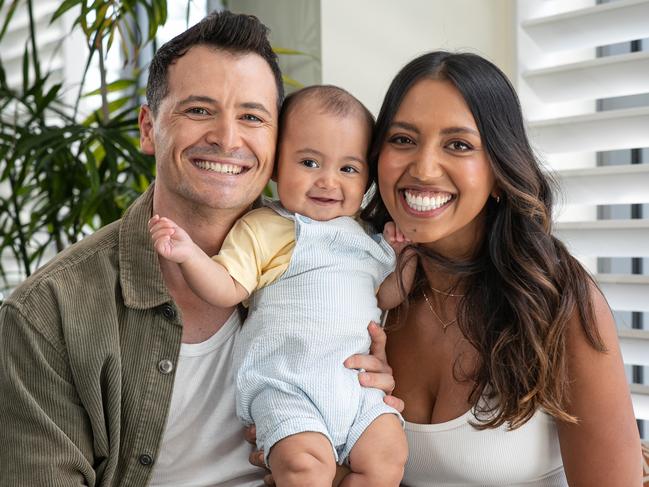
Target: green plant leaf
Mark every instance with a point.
(287, 80)
(64, 7)
(117, 85)
(9, 15)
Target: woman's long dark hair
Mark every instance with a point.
(522, 287)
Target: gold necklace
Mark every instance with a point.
(444, 292)
(430, 306)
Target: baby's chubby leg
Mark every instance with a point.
(304, 460)
(379, 455)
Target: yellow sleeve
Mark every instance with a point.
(258, 249)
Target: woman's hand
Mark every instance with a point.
(377, 373)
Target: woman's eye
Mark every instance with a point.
(251, 118)
(401, 140)
(349, 170)
(309, 163)
(460, 146)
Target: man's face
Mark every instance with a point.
(215, 132)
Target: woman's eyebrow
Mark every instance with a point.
(459, 130)
(405, 126)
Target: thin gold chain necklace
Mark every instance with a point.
(430, 306)
(444, 292)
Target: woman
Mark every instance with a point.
(505, 352)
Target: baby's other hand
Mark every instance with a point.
(169, 240)
(395, 237)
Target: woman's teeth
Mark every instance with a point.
(426, 203)
(218, 167)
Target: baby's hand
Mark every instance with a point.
(169, 240)
(394, 237)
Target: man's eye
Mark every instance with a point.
(401, 140)
(349, 170)
(198, 111)
(309, 163)
(251, 118)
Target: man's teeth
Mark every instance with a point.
(426, 203)
(218, 167)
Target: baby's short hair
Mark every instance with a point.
(331, 99)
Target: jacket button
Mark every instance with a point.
(168, 311)
(165, 366)
(145, 460)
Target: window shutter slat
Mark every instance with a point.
(590, 27)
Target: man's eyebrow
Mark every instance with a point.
(197, 99)
(211, 101)
(251, 105)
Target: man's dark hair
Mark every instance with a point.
(235, 33)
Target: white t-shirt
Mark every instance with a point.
(203, 443)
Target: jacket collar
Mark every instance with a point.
(140, 274)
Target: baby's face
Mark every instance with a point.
(322, 170)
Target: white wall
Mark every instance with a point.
(366, 42)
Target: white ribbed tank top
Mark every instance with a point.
(455, 453)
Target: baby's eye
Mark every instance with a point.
(349, 170)
(400, 140)
(458, 145)
(309, 163)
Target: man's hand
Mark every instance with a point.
(377, 373)
(169, 240)
(257, 456)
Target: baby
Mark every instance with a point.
(310, 275)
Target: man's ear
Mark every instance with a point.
(147, 137)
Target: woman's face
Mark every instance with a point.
(434, 176)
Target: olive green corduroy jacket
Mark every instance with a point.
(83, 400)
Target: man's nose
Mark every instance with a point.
(224, 132)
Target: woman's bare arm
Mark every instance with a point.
(603, 448)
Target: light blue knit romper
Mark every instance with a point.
(290, 352)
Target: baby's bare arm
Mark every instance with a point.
(206, 277)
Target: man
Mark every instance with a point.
(113, 372)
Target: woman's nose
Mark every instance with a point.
(427, 164)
